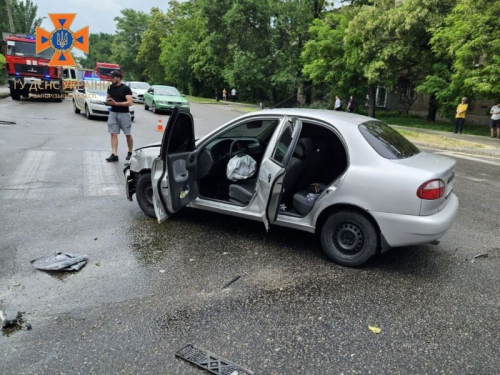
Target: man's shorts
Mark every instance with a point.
(494, 124)
(119, 120)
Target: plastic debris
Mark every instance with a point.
(374, 329)
(60, 262)
(483, 255)
(9, 317)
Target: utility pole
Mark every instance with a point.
(9, 13)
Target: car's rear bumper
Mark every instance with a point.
(405, 230)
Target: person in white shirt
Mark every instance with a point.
(338, 104)
(495, 120)
(233, 94)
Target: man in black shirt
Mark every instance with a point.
(119, 98)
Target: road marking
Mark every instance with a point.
(460, 156)
(100, 177)
(29, 179)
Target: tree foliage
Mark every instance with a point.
(99, 51)
(24, 16)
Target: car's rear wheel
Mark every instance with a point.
(144, 194)
(75, 108)
(146, 106)
(349, 238)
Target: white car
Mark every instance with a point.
(91, 99)
(138, 90)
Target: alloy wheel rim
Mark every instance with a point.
(348, 238)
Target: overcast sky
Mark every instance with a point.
(97, 14)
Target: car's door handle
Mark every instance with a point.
(269, 177)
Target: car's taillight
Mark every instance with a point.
(430, 190)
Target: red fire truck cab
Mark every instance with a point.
(103, 70)
(29, 73)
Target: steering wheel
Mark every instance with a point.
(241, 148)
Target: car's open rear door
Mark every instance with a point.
(273, 170)
(174, 171)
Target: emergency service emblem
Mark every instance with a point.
(62, 39)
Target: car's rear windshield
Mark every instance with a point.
(387, 141)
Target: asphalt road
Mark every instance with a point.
(148, 289)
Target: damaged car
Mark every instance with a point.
(353, 180)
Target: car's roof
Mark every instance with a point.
(169, 87)
(339, 119)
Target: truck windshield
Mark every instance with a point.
(27, 49)
(106, 71)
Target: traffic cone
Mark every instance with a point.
(159, 127)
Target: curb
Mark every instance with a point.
(469, 151)
(4, 95)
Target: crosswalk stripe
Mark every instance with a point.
(100, 177)
(29, 179)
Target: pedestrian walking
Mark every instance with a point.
(224, 95)
(119, 98)
(351, 105)
(233, 94)
(338, 104)
(495, 120)
(460, 116)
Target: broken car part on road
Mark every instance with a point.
(60, 262)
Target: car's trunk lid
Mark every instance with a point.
(442, 167)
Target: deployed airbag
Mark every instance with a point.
(241, 168)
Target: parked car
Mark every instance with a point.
(352, 179)
(138, 90)
(164, 98)
(90, 97)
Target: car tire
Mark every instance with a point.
(144, 194)
(15, 95)
(87, 112)
(349, 238)
(153, 108)
(146, 106)
(75, 108)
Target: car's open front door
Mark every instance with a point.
(273, 170)
(174, 171)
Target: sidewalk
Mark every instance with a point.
(470, 144)
(4, 91)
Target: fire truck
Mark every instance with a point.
(103, 70)
(29, 73)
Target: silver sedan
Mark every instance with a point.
(354, 180)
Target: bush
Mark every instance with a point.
(3, 75)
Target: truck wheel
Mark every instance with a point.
(144, 194)
(77, 111)
(146, 106)
(15, 95)
(349, 238)
(87, 112)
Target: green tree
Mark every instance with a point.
(470, 40)
(149, 52)
(99, 50)
(126, 43)
(24, 16)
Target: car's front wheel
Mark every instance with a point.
(75, 108)
(144, 194)
(87, 112)
(153, 108)
(349, 238)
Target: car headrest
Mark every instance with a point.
(300, 151)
